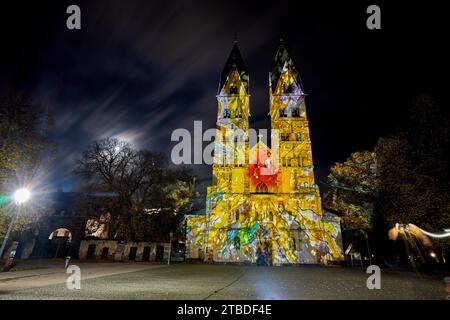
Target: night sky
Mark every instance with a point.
(137, 70)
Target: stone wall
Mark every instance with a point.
(123, 251)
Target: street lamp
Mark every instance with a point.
(170, 247)
(21, 196)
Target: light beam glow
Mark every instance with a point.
(22, 195)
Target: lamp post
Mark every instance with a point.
(20, 197)
(170, 247)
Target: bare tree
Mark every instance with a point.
(143, 188)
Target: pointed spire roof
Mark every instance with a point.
(283, 64)
(234, 62)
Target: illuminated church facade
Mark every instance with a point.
(263, 205)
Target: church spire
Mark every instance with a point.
(284, 78)
(234, 63)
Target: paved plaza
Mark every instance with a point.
(199, 281)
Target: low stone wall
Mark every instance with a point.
(123, 251)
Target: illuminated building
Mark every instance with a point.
(263, 207)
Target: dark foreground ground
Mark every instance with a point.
(197, 281)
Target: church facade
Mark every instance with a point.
(263, 205)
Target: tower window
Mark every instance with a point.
(233, 90)
(289, 89)
(238, 139)
(239, 113)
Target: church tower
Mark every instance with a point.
(233, 111)
(288, 116)
(230, 154)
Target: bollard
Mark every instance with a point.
(67, 261)
(9, 263)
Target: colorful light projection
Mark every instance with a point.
(261, 169)
(269, 228)
(195, 235)
(273, 218)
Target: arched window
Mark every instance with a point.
(238, 113)
(261, 188)
(296, 113)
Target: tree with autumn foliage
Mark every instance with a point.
(414, 170)
(406, 179)
(353, 186)
(25, 151)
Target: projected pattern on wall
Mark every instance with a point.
(273, 218)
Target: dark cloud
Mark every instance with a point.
(140, 69)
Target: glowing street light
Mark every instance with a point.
(20, 196)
